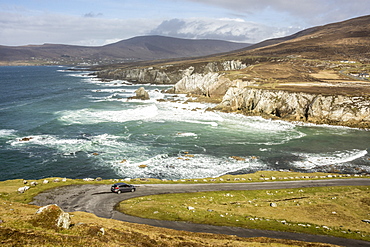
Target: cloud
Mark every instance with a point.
(222, 29)
(311, 12)
(92, 15)
(19, 29)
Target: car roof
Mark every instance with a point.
(116, 184)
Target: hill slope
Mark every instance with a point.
(138, 48)
(348, 39)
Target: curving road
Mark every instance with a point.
(98, 199)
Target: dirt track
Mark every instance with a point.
(98, 199)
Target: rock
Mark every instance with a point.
(51, 217)
(25, 139)
(237, 158)
(191, 208)
(141, 94)
(98, 179)
(298, 106)
(45, 181)
(273, 204)
(64, 220)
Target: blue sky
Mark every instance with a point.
(99, 22)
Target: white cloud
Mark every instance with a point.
(18, 29)
(310, 12)
(223, 29)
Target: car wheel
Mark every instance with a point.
(132, 190)
(119, 192)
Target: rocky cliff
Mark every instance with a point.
(183, 76)
(295, 106)
(213, 80)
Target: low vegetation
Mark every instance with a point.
(20, 226)
(337, 211)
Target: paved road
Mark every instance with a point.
(98, 199)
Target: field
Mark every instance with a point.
(19, 225)
(337, 211)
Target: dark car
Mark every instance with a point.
(122, 187)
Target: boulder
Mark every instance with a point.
(52, 217)
(273, 204)
(141, 94)
(64, 220)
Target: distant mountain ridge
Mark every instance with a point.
(133, 49)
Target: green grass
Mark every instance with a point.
(336, 211)
(18, 228)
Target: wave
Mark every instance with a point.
(311, 161)
(182, 167)
(7, 132)
(93, 116)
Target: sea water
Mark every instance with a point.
(65, 123)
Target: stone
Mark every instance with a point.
(64, 220)
(25, 139)
(237, 158)
(141, 94)
(273, 204)
(52, 216)
(191, 208)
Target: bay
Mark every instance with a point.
(59, 122)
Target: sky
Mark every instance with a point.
(101, 22)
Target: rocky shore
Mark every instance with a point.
(317, 102)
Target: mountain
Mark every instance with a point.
(134, 49)
(348, 40)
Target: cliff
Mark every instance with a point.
(182, 75)
(215, 80)
(250, 99)
(315, 108)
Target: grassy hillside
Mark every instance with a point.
(18, 228)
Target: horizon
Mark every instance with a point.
(93, 23)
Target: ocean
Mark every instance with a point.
(56, 122)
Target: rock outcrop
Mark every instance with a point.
(208, 79)
(210, 82)
(142, 75)
(51, 217)
(315, 108)
(168, 74)
(141, 94)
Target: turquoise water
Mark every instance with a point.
(57, 122)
